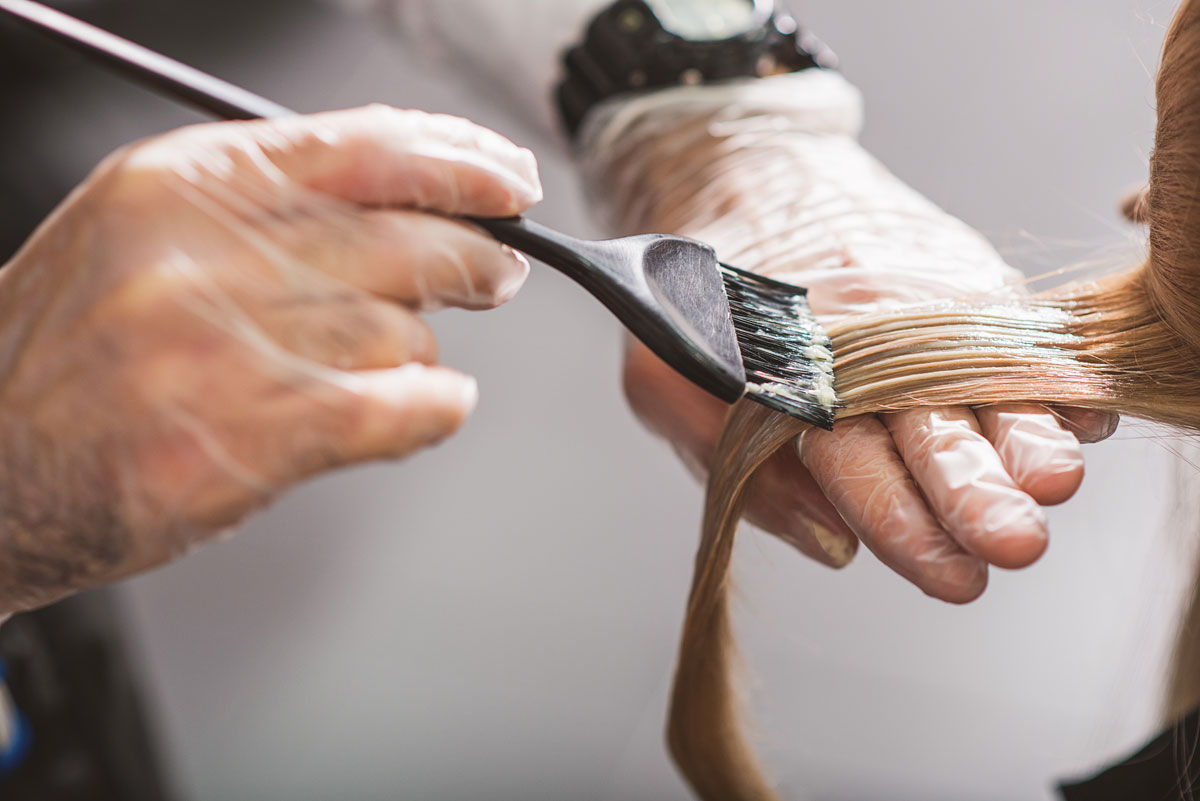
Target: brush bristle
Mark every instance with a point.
(787, 355)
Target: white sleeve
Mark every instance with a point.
(514, 45)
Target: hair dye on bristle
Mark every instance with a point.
(787, 354)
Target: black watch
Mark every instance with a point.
(638, 45)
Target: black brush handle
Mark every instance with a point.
(604, 268)
(160, 73)
(542, 243)
(222, 99)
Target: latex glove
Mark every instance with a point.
(776, 181)
(220, 312)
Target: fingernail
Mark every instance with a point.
(530, 181)
(470, 394)
(509, 287)
(837, 548)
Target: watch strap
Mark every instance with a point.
(626, 50)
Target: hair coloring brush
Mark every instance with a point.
(730, 332)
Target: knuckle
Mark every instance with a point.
(141, 294)
(134, 175)
(152, 335)
(461, 129)
(382, 117)
(317, 445)
(144, 173)
(216, 156)
(377, 109)
(401, 127)
(384, 111)
(347, 331)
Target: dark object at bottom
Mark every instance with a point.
(69, 675)
(1168, 769)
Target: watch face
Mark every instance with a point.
(710, 20)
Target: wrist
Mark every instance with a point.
(668, 160)
(814, 101)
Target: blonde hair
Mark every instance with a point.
(1127, 343)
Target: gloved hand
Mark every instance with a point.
(220, 312)
(769, 173)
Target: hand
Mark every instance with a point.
(223, 311)
(936, 494)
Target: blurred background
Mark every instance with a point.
(498, 618)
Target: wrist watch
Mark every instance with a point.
(639, 45)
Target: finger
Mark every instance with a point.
(868, 483)
(967, 487)
(305, 426)
(782, 497)
(1088, 425)
(378, 155)
(408, 408)
(346, 329)
(1044, 459)
(785, 500)
(418, 259)
(381, 414)
(672, 407)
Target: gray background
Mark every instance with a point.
(497, 619)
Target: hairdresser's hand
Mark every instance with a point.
(936, 494)
(218, 313)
